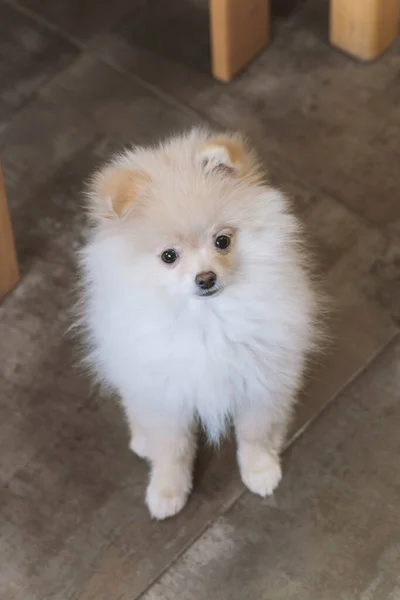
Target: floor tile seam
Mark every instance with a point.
(85, 49)
(293, 439)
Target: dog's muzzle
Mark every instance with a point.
(207, 284)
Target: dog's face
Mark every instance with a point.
(182, 212)
(202, 264)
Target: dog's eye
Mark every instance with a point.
(223, 242)
(169, 256)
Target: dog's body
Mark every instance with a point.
(197, 306)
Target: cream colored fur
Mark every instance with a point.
(178, 358)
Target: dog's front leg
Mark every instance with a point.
(169, 444)
(260, 433)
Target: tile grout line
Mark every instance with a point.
(171, 100)
(25, 103)
(349, 382)
(292, 440)
(338, 198)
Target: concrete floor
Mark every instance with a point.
(79, 80)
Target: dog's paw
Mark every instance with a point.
(165, 499)
(263, 476)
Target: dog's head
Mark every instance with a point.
(189, 215)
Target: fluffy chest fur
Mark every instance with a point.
(203, 356)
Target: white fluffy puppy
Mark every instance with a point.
(198, 306)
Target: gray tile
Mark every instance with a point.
(172, 29)
(34, 320)
(42, 386)
(331, 531)
(80, 20)
(29, 55)
(51, 497)
(370, 183)
(32, 417)
(354, 258)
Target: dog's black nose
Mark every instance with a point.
(206, 279)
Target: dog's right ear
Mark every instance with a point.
(230, 153)
(114, 191)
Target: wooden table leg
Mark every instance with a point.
(239, 31)
(9, 274)
(364, 28)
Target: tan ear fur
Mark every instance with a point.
(117, 189)
(231, 152)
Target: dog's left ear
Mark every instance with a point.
(115, 190)
(229, 153)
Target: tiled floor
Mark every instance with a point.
(80, 79)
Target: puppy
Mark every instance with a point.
(198, 306)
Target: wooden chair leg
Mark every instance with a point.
(9, 274)
(364, 28)
(239, 31)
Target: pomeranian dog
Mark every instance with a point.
(198, 306)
